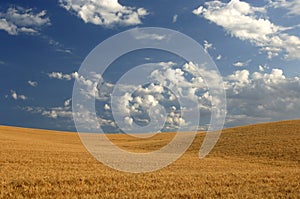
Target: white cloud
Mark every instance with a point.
(170, 81)
(142, 35)
(67, 102)
(57, 45)
(54, 113)
(150, 100)
(106, 13)
(106, 122)
(207, 45)
(244, 21)
(8, 27)
(106, 107)
(276, 76)
(239, 64)
(292, 5)
(124, 105)
(170, 77)
(15, 96)
(92, 85)
(209, 75)
(242, 64)
(251, 97)
(128, 120)
(262, 68)
(219, 57)
(32, 83)
(61, 76)
(174, 120)
(261, 96)
(151, 36)
(88, 86)
(237, 80)
(240, 76)
(19, 20)
(167, 64)
(151, 88)
(174, 19)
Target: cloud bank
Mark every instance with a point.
(16, 96)
(20, 20)
(246, 22)
(262, 96)
(293, 6)
(107, 13)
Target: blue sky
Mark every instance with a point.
(255, 45)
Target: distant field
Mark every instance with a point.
(257, 161)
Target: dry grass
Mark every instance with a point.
(258, 161)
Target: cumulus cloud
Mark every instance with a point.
(128, 120)
(106, 107)
(242, 64)
(142, 35)
(107, 122)
(150, 36)
(140, 104)
(32, 83)
(293, 6)
(245, 22)
(67, 102)
(59, 47)
(207, 45)
(240, 76)
(57, 112)
(174, 19)
(174, 119)
(251, 97)
(239, 64)
(61, 76)
(89, 85)
(54, 113)
(265, 95)
(106, 13)
(20, 20)
(16, 96)
(261, 96)
(262, 68)
(166, 64)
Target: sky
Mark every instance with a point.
(254, 44)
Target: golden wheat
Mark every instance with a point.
(257, 161)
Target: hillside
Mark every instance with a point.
(256, 161)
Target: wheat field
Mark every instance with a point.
(256, 161)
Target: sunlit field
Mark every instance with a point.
(257, 161)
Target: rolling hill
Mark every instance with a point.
(256, 161)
